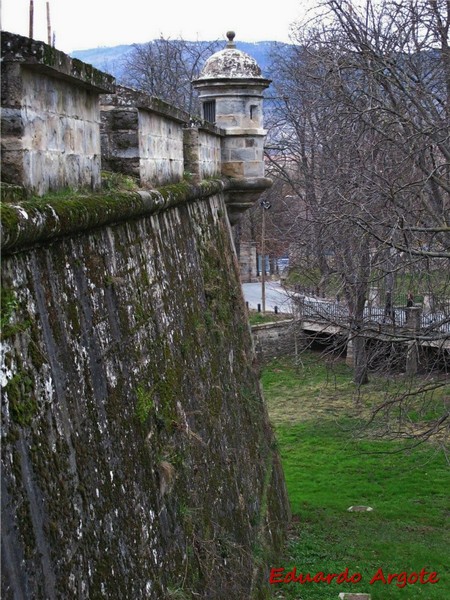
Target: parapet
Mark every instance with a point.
(43, 58)
(154, 141)
(63, 121)
(50, 117)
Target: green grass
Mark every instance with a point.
(329, 468)
(420, 282)
(257, 318)
(424, 281)
(312, 277)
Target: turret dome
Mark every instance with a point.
(230, 63)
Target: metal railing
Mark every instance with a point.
(338, 313)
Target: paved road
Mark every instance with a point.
(275, 296)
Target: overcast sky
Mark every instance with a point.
(82, 24)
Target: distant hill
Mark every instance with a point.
(110, 59)
(107, 59)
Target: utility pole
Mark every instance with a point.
(30, 28)
(265, 206)
(49, 28)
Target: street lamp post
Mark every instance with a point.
(265, 206)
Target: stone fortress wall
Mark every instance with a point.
(137, 457)
(52, 107)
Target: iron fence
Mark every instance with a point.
(338, 313)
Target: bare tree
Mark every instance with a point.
(361, 135)
(165, 68)
(398, 55)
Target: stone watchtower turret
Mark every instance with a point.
(231, 90)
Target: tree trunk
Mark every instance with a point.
(360, 373)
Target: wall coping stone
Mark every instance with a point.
(38, 220)
(46, 59)
(125, 97)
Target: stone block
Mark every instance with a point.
(130, 152)
(274, 339)
(227, 121)
(10, 144)
(11, 85)
(128, 166)
(12, 122)
(254, 168)
(12, 166)
(233, 169)
(124, 140)
(235, 142)
(245, 154)
(124, 119)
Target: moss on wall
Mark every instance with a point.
(67, 212)
(138, 460)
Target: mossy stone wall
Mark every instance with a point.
(138, 461)
(275, 339)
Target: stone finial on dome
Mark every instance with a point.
(231, 35)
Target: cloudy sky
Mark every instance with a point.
(82, 24)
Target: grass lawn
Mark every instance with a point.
(328, 469)
(420, 282)
(257, 318)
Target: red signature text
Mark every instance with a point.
(404, 578)
(280, 575)
(276, 576)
